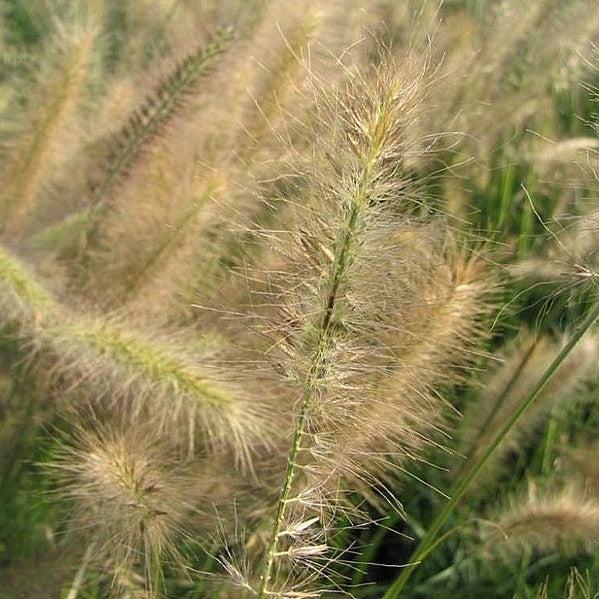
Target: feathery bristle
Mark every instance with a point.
(121, 365)
(545, 521)
(143, 125)
(246, 351)
(22, 298)
(157, 109)
(344, 300)
(159, 379)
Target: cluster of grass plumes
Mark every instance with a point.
(275, 273)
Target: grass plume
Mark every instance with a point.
(130, 499)
(142, 126)
(545, 521)
(121, 365)
(337, 344)
(52, 115)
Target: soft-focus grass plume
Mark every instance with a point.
(22, 297)
(49, 128)
(158, 108)
(566, 265)
(144, 125)
(543, 521)
(506, 75)
(168, 273)
(127, 367)
(582, 461)
(148, 251)
(161, 380)
(220, 189)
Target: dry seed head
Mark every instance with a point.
(149, 252)
(153, 377)
(160, 380)
(475, 98)
(441, 318)
(274, 122)
(158, 109)
(143, 126)
(345, 299)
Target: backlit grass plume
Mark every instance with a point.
(243, 137)
(544, 521)
(145, 122)
(47, 128)
(22, 297)
(434, 345)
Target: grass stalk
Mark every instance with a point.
(315, 374)
(339, 268)
(81, 571)
(482, 432)
(462, 485)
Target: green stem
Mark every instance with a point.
(462, 484)
(315, 374)
(551, 436)
(499, 404)
(285, 493)
(506, 196)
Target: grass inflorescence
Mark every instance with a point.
(298, 299)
